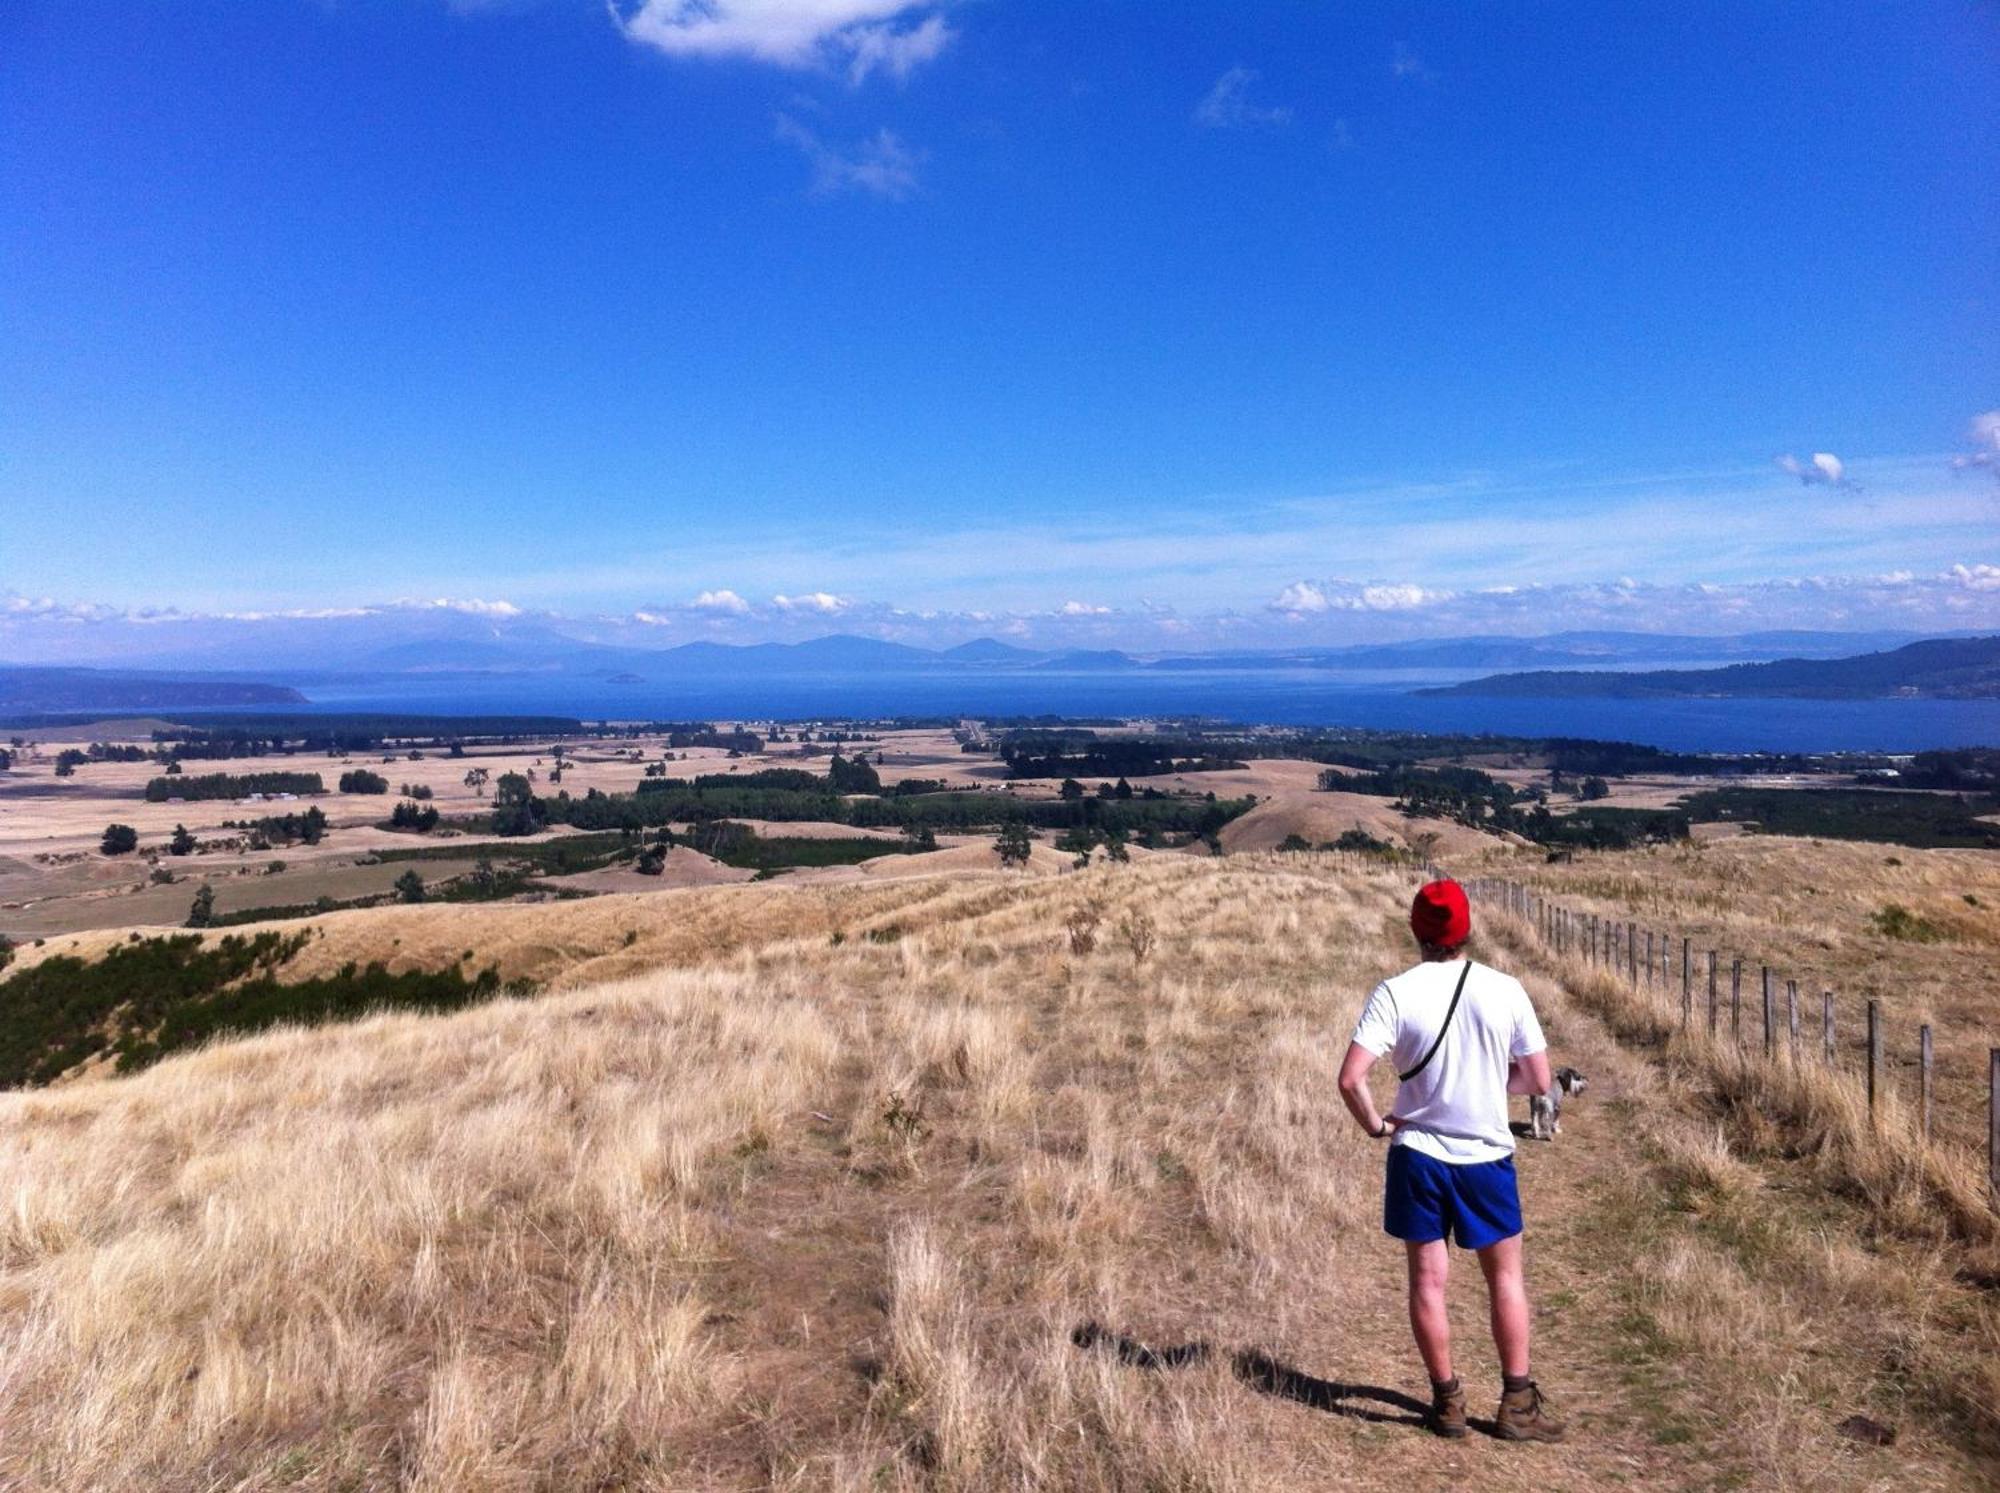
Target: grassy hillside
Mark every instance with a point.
(999, 1182)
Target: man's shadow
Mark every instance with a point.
(1270, 1376)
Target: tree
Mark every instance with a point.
(1594, 788)
(483, 878)
(1072, 790)
(1122, 790)
(201, 912)
(410, 886)
(182, 843)
(475, 779)
(119, 839)
(652, 861)
(361, 780)
(856, 776)
(1078, 842)
(516, 810)
(1014, 844)
(920, 836)
(1114, 847)
(409, 814)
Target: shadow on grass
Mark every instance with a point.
(1269, 1376)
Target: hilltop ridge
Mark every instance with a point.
(895, 1187)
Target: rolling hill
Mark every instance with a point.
(966, 1183)
(1937, 668)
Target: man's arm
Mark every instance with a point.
(1354, 1091)
(1529, 1075)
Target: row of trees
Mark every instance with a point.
(216, 785)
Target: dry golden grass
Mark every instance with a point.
(1809, 909)
(749, 1205)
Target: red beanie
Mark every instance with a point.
(1440, 915)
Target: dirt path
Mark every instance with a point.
(1333, 1372)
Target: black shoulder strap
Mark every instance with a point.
(1453, 1011)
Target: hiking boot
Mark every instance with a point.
(1524, 1416)
(1447, 1417)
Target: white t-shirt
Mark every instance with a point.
(1456, 1109)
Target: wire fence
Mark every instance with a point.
(1713, 988)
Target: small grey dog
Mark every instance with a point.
(1545, 1110)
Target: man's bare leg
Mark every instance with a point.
(1430, 1268)
(1507, 1290)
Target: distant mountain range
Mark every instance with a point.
(1937, 669)
(415, 641)
(269, 666)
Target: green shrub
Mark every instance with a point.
(1897, 921)
(148, 998)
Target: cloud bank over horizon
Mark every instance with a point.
(1305, 613)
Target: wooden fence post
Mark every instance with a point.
(1770, 1016)
(1924, 1079)
(1993, 1123)
(1713, 995)
(1649, 958)
(1687, 981)
(1874, 1054)
(1792, 1017)
(1631, 953)
(1736, 999)
(1826, 1028)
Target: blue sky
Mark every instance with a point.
(1125, 322)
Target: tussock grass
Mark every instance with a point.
(785, 1211)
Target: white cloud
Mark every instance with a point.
(1227, 105)
(1396, 598)
(864, 35)
(1409, 67)
(1300, 599)
(896, 52)
(472, 606)
(1083, 609)
(1307, 598)
(1823, 469)
(882, 165)
(1982, 433)
(813, 601)
(1975, 577)
(724, 602)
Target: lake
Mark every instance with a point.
(1305, 697)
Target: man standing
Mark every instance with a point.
(1462, 1038)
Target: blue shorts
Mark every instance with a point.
(1477, 1202)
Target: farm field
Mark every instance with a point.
(915, 1184)
(53, 878)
